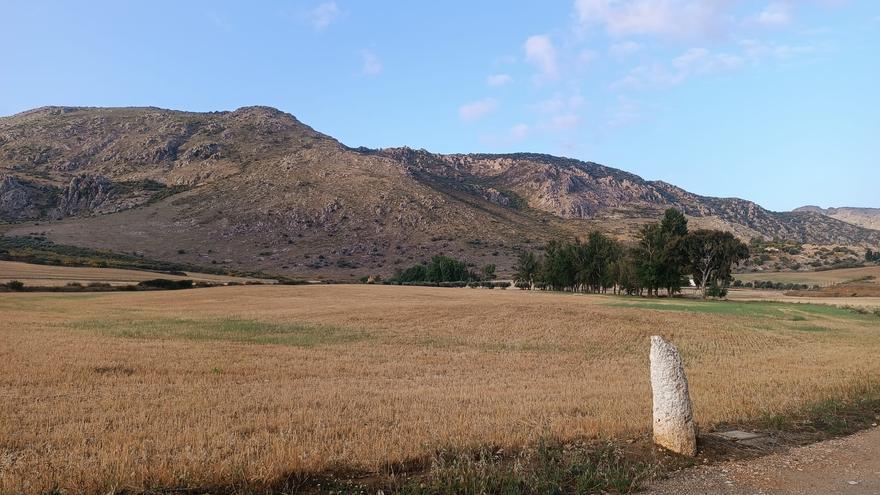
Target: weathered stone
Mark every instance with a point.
(673, 412)
(738, 435)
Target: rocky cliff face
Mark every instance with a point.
(85, 194)
(266, 191)
(23, 200)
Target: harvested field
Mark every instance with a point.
(828, 297)
(237, 385)
(822, 278)
(34, 275)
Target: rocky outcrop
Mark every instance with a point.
(85, 194)
(673, 412)
(22, 200)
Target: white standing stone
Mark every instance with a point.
(673, 413)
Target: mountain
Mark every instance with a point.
(868, 218)
(257, 189)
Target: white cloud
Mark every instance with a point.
(519, 132)
(541, 53)
(668, 18)
(775, 14)
(647, 76)
(564, 122)
(477, 109)
(559, 104)
(692, 62)
(496, 80)
(625, 112)
(624, 49)
(586, 56)
(372, 65)
(757, 50)
(701, 60)
(324, 14)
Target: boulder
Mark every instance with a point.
(673, 412)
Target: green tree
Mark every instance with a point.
(711, 255)
(488, 272)
(648, 256)
(600, 255)
(674, 223)
(446, 269)
(527, 269)
(658, 255)
(559, 270)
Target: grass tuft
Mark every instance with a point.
(549, 468)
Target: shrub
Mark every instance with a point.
(15, 285)
(717, 291)
(165, 284)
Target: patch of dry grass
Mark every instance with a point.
(823, 277)
(34, 275)
(196, 388)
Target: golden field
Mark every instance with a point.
(823, 277)
(34, 275)
(239, 385)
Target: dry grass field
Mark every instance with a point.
(237, 385)
(823, 278)
(48, 276)
(828, 296)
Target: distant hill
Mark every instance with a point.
(868, 218)
(256, 189)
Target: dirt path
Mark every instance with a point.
(849, 465)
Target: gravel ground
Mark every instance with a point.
(849, 465)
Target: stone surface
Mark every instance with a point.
(673, 412)
(738, 435)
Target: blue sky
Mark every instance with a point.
(774, 101)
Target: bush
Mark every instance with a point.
(15, 285)
(165, 284)
(717, 291)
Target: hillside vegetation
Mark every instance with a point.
(256, 189)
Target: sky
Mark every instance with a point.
(774, 101)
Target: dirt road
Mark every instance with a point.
(849, 465)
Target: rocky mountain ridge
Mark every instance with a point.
(258, 189)
(868, 218)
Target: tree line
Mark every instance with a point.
(665, 254)
(443, 269)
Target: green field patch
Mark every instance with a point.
(749, 309)
(223, 329)
(744, 309)
(810, 328)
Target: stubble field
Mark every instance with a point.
(238, 385)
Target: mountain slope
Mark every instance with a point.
(868, 218)
(257, 189)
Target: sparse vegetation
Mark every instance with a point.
(37, 250)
